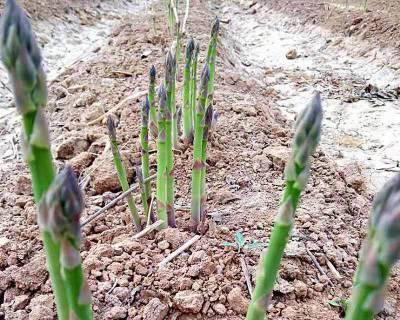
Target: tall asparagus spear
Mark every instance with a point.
(193, 80)
(59, 215)
(381, 250)
(306, 138)
(153, 109)
(187, 112)
(171, 88)
(119, 166)
(169, 125)
(144, 142)
(22, 59)
(162, 158)
(211, 57)
(198, 148)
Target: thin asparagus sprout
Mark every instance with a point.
(381, 250)
(207, 128)
(187, 112)
(169, 132)
(198, 149)
(144, 142)
(153, 109)
(173, 69)
(162, 158)
(306, 138)
(59, 214)
(193, 80)
(211, 57)
(119, 166)
(22, 58)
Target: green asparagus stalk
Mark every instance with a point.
(59, 214)
(144, 141)
(193, 80)
(169, 126)
(153, 109)
(198, 149)
(22, 59)
(207, 127)
(380, 251)
(172, 90)
(211, 57)
(119, 166)
(162, 158)
(306, 138)
(187, 112)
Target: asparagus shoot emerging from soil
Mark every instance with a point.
(144, 142)
(119, 166)
(170, 123)
(198, 149)
(22, 59)
(171, 91)
(153, 110)
(211, 57)
(380, 251)
(207, 128)
(162, 158)
(193, 81)
(187, 112)
(59, 214)
(306, 138)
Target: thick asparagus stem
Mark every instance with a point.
(119, 166)
(162, 159)
(211, 57)
(198, 149)
(306, 138)
(193, 81)
(381, 250)
(169, 125)
(153, 109)
(144, 142)
(59, 214)
(187, 112)
(22, 59)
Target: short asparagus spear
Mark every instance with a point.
(193, 81)
(211, 57)
(22, 59)
(153, 109)
(59, 214)
(119, 166)
(144, 142)
(169, 132)
(162, 158)
(306, 138)
(187, 112)
(198, 149)
(381, 250)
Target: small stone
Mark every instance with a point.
(319, 287)
(219, 308)
(300, 289)
(185, 283)
(72, 147)
(155, 310)
(163, 245)
(197, 257)
(116, 313)
(237, 301)
(20, 302)
(189, 301)
(292, 54)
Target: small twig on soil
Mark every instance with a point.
(112, 203)
(113, 287)
(318, 266)
(332, 268)
(247, 276)
(178, 251)
(148, 229)
(129, 98)
(124, 73)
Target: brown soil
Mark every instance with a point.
(247, 154)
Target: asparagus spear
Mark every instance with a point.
(171, 88)
(211, 57)
(119, 166)
(198, 148)
(153, 110)
(187, 112)
(59, 214)
(169, 125)
(22, 58)
(162, 158)
(306, 138)
(193, 80)
(381, 250)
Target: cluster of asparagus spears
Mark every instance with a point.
(58, 196)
